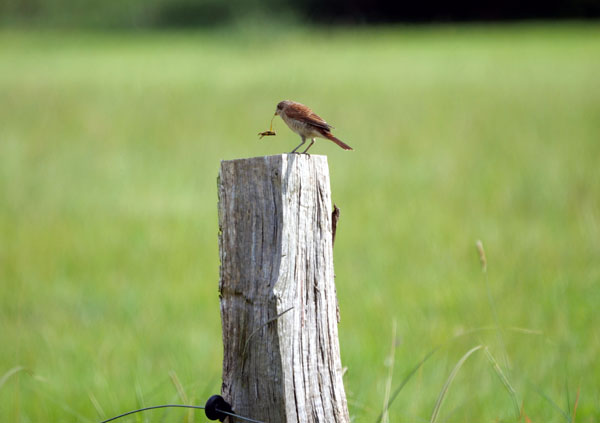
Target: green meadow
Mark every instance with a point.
(110, 144)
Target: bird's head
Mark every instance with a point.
(281, 106)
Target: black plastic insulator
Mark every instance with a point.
(215, 406)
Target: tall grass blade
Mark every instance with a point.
(180, 392)
(576, 404)
(10, 373)
(554, 405)
(388, 385)
(504, 380)
(178, 386)
(483, 260)
(453, 373)
(97, 406)
(568, 407)
(139, 397)
(525, 330)
(408, 376)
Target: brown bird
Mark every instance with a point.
(306, 123)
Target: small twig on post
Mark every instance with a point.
(335, 216)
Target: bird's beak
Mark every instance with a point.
(275, 114)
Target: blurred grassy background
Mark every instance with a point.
(109, 150)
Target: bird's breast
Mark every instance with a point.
(300, 127)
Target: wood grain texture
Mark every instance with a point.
(278, 302)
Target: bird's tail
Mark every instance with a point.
(342, 144)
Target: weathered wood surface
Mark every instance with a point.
(278, 300)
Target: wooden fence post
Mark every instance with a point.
(278, 300)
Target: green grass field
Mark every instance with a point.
(109, 150)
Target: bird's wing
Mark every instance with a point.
(303, 113)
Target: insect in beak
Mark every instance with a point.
(270, 132)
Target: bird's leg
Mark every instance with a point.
(303, 141)
(309, 146)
